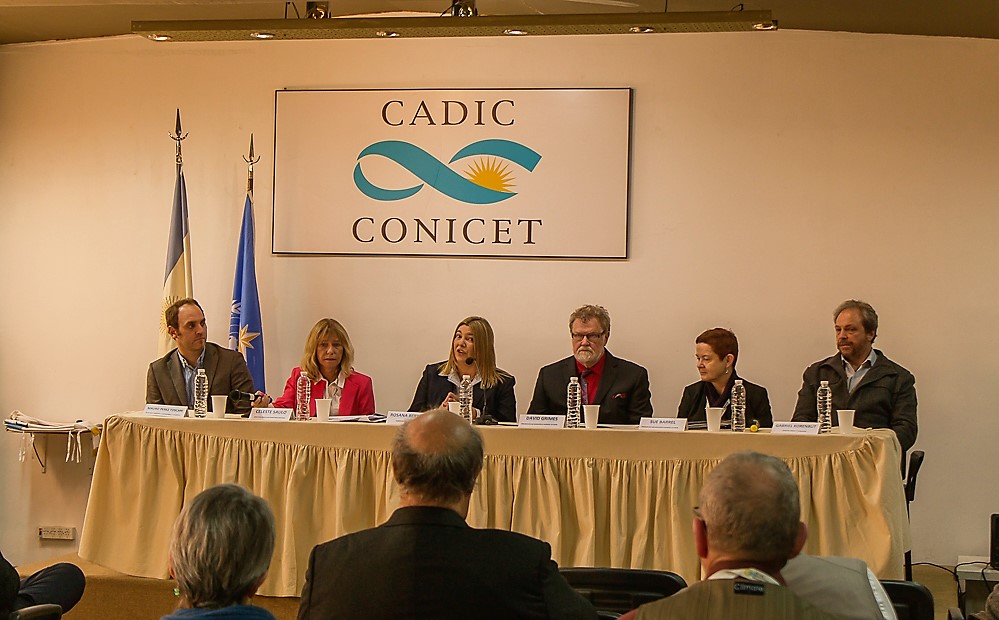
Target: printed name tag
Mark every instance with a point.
(541, 420)
(673, 425)
(165, 411)
(270, 413)
(400, 417)
(795, 428)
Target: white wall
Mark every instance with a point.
(773, 175)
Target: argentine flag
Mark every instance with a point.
(245, 329)
(177, 280)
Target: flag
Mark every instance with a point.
(245, 328)
(177, 280)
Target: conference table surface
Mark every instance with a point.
(603, 497)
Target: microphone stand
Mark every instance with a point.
(484, 419)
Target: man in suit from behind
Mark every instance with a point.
(426, 561)
(170, 380)
(620, 387)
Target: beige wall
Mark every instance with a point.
(773, 175)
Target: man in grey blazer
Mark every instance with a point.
(620, 387)
(426, 561)
(170, 380)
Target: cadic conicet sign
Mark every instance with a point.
(492, 173)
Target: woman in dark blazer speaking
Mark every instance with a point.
(472, 354)
(716, 351)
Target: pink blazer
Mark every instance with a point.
(357, 397)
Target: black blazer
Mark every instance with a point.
(623, 394)
(499, 401)
(426, 562)
(757, 404)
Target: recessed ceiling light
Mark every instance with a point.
(387, 33)
(642, 29)
(514, 31)
(262, 35)
(159, 37)
(771, 25)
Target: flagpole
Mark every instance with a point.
(177, 137)
(177, 277)
(249, 167)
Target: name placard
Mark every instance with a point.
(396, 418)
(270, 414)
(541, 420)
(165, 411)
(669, 425)
(795, 428)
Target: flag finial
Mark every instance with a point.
(249, 166)
(177, 137)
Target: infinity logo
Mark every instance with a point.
(487, 182)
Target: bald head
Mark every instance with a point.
(436, 458)
(751, 510)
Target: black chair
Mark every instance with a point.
(915, 462)
(618, 590)
(37, 612)
(911, 600)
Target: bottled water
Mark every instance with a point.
(823, 403)
(200, 394)
(738, 406)
(303, 397)
(465, 398)
(573, 399)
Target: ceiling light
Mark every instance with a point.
(642, 29)
(383, 33)
(769, 25)
(514, 31)
(262, 35)
(159, 37)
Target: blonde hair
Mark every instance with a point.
(485, 352)
(325, 329)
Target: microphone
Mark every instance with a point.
(484, 418)
(237, 396)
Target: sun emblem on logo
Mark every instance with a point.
(245, 338)
(490, 173)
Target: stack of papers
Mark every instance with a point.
(20, 422)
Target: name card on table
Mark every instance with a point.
(670, 425)
(395, 418)
(795, 428)
(165, 411)
(541, 420)
(271, 413)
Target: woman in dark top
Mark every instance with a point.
(716, 351)
(472, 354)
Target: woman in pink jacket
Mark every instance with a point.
(328, 360)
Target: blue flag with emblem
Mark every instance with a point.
(245, 328)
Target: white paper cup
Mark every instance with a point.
(714, 418)
(454, 407)
(591, 413)
(845, 420)
(323, 409)
(218, 406)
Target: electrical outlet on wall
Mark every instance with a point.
(55, 532)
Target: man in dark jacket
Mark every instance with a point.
(425, 561)
(882, 393)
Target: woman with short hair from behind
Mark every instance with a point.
(221, 550)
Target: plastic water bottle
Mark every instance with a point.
(200, 394)
(573, 399)
(738, 407)
(465, 398)
(823, 403)
(303, 397)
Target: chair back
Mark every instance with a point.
(37, 612)
(617, 590)
(915, 462)
(911, 600)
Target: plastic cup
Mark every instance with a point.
(845, 420)
(714, 415)
(591, 413)
(454, 407)
(218, 406)
(323, 406)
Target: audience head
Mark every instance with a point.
(856, 325)
(716, 351)
(473, 339)
(589, 327)
(328, 351)
(436, 459)
(222, 546)
(749, 511)
(185, 322)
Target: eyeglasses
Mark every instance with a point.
(590, 337)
